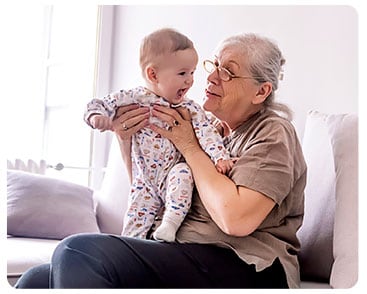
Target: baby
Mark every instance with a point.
(160, 177)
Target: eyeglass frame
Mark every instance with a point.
(230, 75)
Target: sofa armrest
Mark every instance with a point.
(24, 253)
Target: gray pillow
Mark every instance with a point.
(42, 207)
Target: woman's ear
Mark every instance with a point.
(151, 74)
(263, 92)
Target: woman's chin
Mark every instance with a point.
(209, 105)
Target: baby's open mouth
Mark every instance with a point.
(181, 93)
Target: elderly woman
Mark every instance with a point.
(241, 229)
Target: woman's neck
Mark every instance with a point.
(234, 124)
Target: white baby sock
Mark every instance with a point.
(166, 232)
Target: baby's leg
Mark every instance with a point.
(140, 215)
(178, 200)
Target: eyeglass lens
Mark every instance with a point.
(210, 67)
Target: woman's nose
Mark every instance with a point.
(214, 77)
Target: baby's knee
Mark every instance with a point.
(182, 170)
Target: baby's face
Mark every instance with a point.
(175, 75)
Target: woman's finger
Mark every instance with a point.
(126, 108)
(124, 113)
(185, 113)
(168, 115)
(161, 131)
(135, 120)
(125, 132)
(128, 120)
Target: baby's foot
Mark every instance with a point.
(165, 232)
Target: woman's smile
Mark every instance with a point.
(211, 94)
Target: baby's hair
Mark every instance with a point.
(160, 42)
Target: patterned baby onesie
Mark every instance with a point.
(160, 176)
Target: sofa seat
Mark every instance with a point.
(23, 253)
(314, 285)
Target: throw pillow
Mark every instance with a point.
(316, 233)
(343, 130)
(42, 207)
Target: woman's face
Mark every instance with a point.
(231, 101)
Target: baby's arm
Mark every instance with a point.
(101, 122)
(100, 112)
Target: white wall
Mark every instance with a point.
(318, 42)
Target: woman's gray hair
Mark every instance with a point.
(265, 62)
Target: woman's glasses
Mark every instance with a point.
(224, 74)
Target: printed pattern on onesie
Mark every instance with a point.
(153, 157)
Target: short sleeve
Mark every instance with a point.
(266, 161)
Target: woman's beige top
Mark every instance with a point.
(270, 162)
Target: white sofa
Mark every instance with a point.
(328, 259)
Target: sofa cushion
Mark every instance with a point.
(316, 233)
(42, 207)
(24, 253)
(344, 139)
(329, 234)
(112, 198)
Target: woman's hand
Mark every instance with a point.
(129, 119)
(180, 132)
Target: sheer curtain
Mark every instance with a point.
(52, 62)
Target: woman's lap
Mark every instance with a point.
(35, 278)
(107, 261)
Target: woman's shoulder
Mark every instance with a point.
(276, 129)
(271, 120)
(271, 115)
(266, 126)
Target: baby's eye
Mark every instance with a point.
(182, 73)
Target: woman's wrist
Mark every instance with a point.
(191, 151)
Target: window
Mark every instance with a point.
(59, 57)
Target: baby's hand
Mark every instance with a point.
(224, 166)
(100, 122)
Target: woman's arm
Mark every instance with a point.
(128, 120)
(237, 211)
(125, 149)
